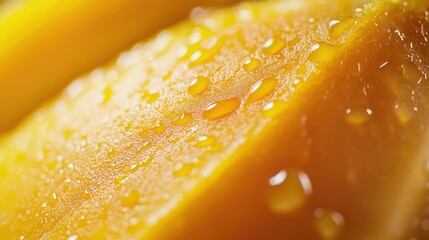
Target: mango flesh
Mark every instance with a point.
(45, 44)
(273, 120)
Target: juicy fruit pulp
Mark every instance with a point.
(298, 120)
(54, 41)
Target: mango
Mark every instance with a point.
(268, 120)
(45, 44)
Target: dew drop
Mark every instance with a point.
(145, 146)
(338, 28)
(288, 191)
(131, 200)
(135, 225)
(184, 169)
(251, 64)
(404, 111)
(274, 46)
(261, 89)
(111, 153)
(328, 223)
(208, 49)
(73, 237)
(273, 108)
(183, 119)
(86, 195)
(153, 98)
(159, 129)
(206, 141)
(332, 23)
(221, 108)
(133, 168)
(121, 179)
(107, 95)
(198, 85)
(358, 116)
(321, 52)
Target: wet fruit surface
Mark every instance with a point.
(267, 121)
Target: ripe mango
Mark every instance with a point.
(271, 120)
(44, 44)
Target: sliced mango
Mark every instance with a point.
(272, 120)
(44, 44)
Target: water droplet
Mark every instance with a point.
(184, 169)
(206, 141)
(73, 237)
(198, 85)
(107, 95)
(131, 200)
(261, 89)
(153, 98)
(111, 153)
(135, 167)
(145, 146)
(404, 111)
(274, 46)
(338, 28)
(159, 129)
(208, 49)
(221, 108)
(273, 108)
(121, 179)
(321, 52)
(332, 23)
(135, 225)
(251, 64)
(183, 119)
(358, 116)
(86, 195)
(288, 191)
(328, 224)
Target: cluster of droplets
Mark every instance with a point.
(289, 191)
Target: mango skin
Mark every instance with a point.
(109, 158)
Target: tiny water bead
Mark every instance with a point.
(209, 48)
(111, 153)
(338, 28)
(358, 115)
(205, 141)
(220, 109)
(184, 169)
(288, 191)
(183, 119)
(153, 98)
(274, 46)
(107, 95)
(198, 85)
(273, 108)
(404, 111)
(251, 64)
(261, 89)
(159, 129)
(328, 223)
(131, 199)
(121, 179)
(73, 237)
(321, 52)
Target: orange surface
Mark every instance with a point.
(273, 120)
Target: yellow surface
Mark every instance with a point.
(44, 44)
(274, 120)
